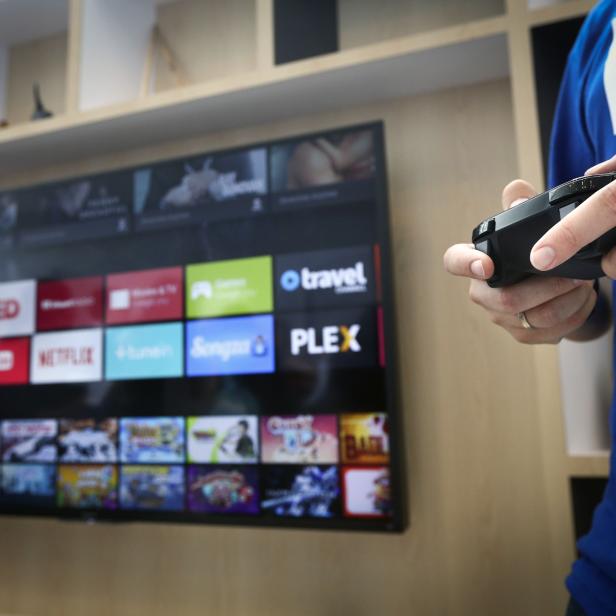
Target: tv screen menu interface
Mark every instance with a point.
(208, 339)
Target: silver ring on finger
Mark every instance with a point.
(525, 324)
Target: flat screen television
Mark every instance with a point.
(208, 339)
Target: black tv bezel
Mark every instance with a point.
(399, 520)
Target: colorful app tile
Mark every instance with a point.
(88, 440)
(144, 351)
(14, 361)
(28, 484)
(29, 440)
(223, 439)
(364, 438)
(327, 340)
(157, 488)
(327, 278)
(87, 486)
(152, 440)
(150, 295)
(299, 439)
(223, 489)
(221, 288)
(301, 491)
(69, 304)
(241, 345)
(367, 492)
(67, 357)
(17, 309)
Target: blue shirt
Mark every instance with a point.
(583, 134)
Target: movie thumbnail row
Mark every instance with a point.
(353, 438)
(243, 183)
(312, 491)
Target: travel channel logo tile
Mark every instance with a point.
(240, 286)
(333, 338)
(69, 304)
(343, 277)
(144, 352)
(14, 361)
(241, 345)
(151, 295)
(67, 357)
(17, 308)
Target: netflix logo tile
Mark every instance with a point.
(14, 361)
(17, 308)
(67, 357)
(150, 295)
(69, 304)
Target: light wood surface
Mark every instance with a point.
(591, 465)
(209, 39)
(364, 22)
(42, 61)
(479, 540)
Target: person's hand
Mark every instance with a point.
(587, 222)
(553, 307)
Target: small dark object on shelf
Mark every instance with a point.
(4, 123)
(40, 112)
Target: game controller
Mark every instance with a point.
(508, 237)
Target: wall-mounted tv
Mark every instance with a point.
(208, 339)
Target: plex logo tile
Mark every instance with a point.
(334, 338)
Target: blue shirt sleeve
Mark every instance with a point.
(571, 145)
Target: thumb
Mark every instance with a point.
(516, 192)
(605, 167)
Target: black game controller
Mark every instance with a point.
(507, 238)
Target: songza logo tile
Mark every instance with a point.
(67, 357)
(144, 352)
(242, 345)
(14, 361)
(335, 338)
(240, 286)
(17, 310)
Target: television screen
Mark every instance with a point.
(208, 339)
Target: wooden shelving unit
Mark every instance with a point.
(489, 465)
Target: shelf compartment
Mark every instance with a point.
(33, 49)
(130, 50)
(451, 57)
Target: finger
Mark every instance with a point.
(604, 167)
(517, 191)
(586, 223)
(522, 296)
(557, 311)
(464, 260)
(553, 335)
(608, 264)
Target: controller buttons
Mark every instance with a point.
(487, 226)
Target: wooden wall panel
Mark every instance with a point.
(43, 61)
(479, 541)
(209, 39)
(362, 22)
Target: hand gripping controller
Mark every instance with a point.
(507, 238)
